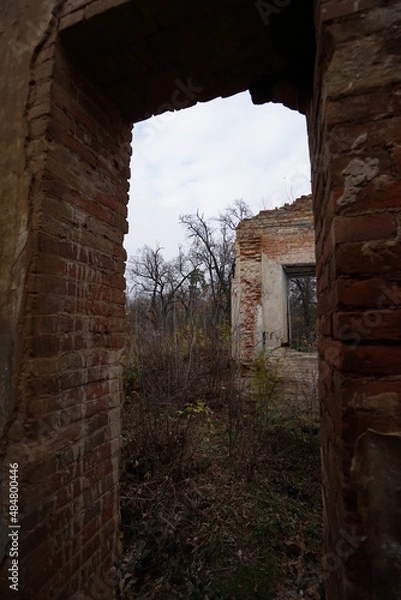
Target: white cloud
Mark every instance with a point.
(205, 157)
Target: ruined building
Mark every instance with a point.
(270, 248)
(75, 75)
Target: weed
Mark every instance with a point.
(264, 386)
(246, 581)
(208, 473)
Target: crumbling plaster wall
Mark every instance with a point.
(264, 246)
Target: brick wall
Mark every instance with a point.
(65, 428)
(63, 180)
(355, 140)
(264, 245)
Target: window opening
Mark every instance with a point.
(301, 308)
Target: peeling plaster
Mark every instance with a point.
(357, 174)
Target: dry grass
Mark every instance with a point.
(220, 495)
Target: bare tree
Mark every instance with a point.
(197, 280)
(302, 299)
(158, 280)
(234, 214)
(212, 242)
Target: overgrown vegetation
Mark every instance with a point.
(220, 493)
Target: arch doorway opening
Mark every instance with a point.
(200, 441)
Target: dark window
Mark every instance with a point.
(302, 333)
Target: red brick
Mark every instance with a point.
(71, 379)
(324, 325)
(108, 516)
(55, 246)
(73, 226)
(41, 471)
(99, 421)
(84, 150)
(368, 325)
(378, 134)
(116, 341)
(95, 456)
(396, 153)
(369, 360)
(92, 208)
(370, 197)
(325, 302)
(71, 415)
(364, 227)
(355, 258)
(90, 550)
(371, 105)
(373, 293)
(79, 115)
(90, 529)
(97, 390)
(358, 422)
(396, 98)
(110, 497)
(96, 406)
(40, 571)
(63, 120)
(99, 472)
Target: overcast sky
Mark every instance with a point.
(207, 156)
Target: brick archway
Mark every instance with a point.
(76, 74)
